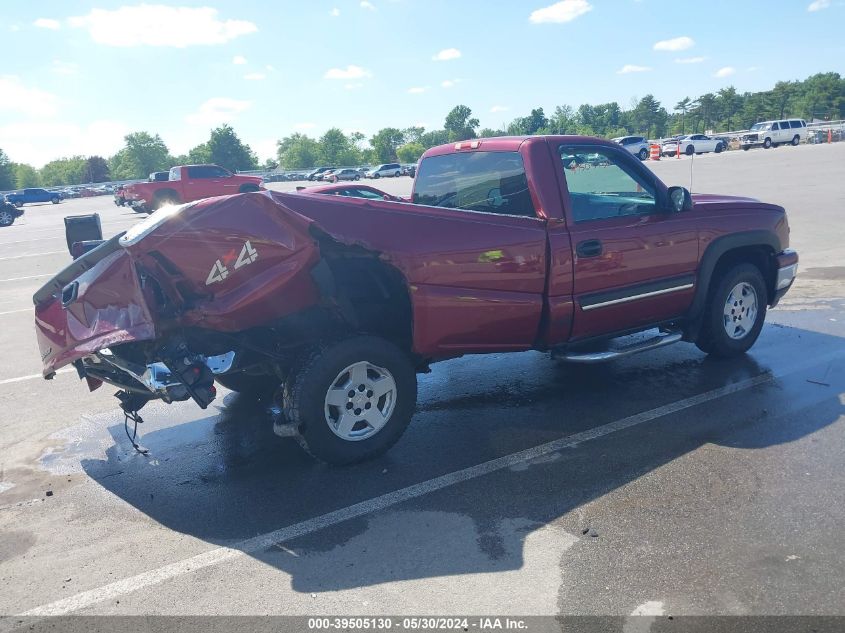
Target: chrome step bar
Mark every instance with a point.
(661, 340)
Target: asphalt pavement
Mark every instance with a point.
(666, 483)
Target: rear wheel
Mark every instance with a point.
(735, 312)
(795, 140)
(643, 154)
(719, 148)
(690, 150)
(351, 400)
(55, 200)
(7, 218)
(376, 176)
(767, 143)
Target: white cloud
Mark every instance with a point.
(47, 23)
(499, 108)
(365, 4)
(727, 71)
(270, 69)
(64, 68)
(33, 102)
(690, 60)
(632, 68)
(255, 76)
(450, 83)
(818, 5)
(38, 142)
(355, 86)
(265, 148)
(160, 25)
(416, 90)
(217, 110)
(350, 72)
(675, 44)
(334, 12)
(304, 126)
(239, 60)
(560, 12)
(446, 54)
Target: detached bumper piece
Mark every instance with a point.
(787, 262)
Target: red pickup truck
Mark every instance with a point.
(187, 183)
(559, 243)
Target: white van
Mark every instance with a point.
(773, 133)
(390, 170)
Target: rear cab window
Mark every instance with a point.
(487, 182)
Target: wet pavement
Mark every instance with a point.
(666, 482)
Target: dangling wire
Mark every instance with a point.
(136, 419)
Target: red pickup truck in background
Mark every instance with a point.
(187, 183)
(558, 243)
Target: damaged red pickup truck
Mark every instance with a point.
(559, 243)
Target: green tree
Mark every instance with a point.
(64, 171)
(298, 151)
(199, 155)
(141, 155)
(385, 142)
(531, 124)
(682, 106)
(96, 169)
(26, 176)
(270, 165)
(227, 150)
(434, 138)
(460, 125)
(562, 121)
(489, 132)
(410, 152)
(337, 149)
(7, 173)
(413, 134)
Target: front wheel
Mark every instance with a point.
(7, 218)
(690, 150)
(55, 200)
(735, 312)
(357, 178)
(767, 143)
(351, 400)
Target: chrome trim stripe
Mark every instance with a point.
(635, 297)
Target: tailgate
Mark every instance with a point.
(94, 303)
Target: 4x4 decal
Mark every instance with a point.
(220, 270)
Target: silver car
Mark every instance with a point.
(637, 145)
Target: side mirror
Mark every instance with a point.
(680, 199)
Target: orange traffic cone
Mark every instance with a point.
(655, 152)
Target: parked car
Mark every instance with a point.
(30, 196)
(313, 174)
(343, 174)
(637, 145)
(347, 301)
(693, 144)
(386, 170)
(187, 183)
(768, 134)
(119, 197)
(8, 212)
(352, 191)
(412, 171)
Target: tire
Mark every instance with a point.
(397, 174)
(7, 218)
(643, 154)
(55, 200)
(262, 386)
(329, 368)
(731, 328)
(767, 143)
(376, 176)
(719, 148)
(745, 148)
(357, 178)
(139, 209)
(795, 140)
(690, 150)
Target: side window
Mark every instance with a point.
(204, 172)
(601, 185)
(775, 126)
(490, 182)
(219, 172)
(794, 124)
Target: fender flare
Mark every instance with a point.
(707, 265)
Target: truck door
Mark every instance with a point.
(634, 261)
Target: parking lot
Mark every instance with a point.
(665, 483)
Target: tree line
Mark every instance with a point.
(820, 96)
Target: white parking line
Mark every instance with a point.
(29, 277)
(263, 541)
(16, 311)
(9, 381)
(3, 259)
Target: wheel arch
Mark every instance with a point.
(755, 247)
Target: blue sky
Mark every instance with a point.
(77, 76)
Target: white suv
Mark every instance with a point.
(391, 170)
(637, 145)
(773, 133)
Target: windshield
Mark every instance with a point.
(757, 127)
